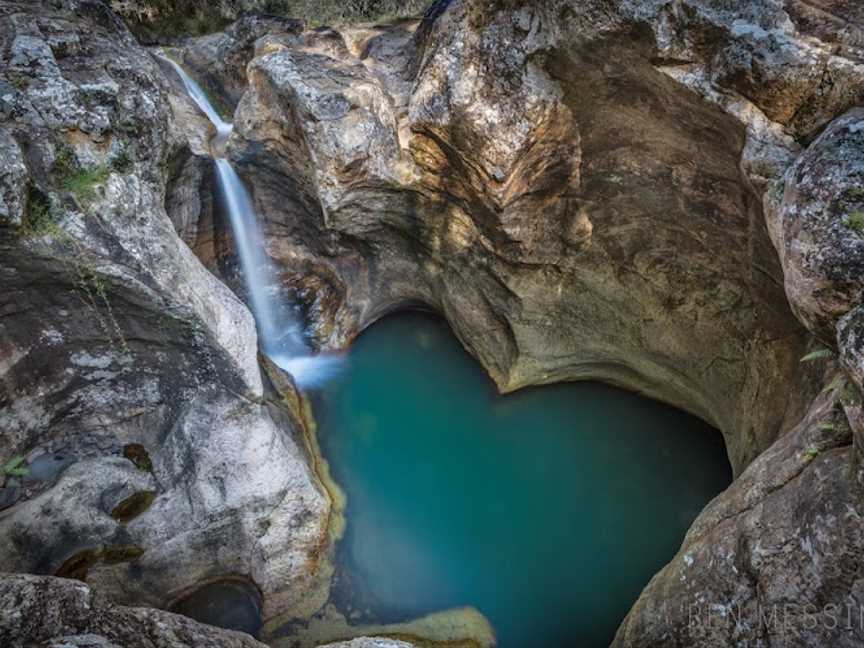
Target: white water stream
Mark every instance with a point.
(279, 330)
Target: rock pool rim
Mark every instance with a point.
(618, 374)
(493, 397)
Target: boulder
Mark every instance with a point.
(816, 220)
(59, 613)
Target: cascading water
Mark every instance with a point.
(198, 95)
(279, 328)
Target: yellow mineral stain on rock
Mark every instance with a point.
(455, 628)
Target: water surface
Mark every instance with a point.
(548, 510)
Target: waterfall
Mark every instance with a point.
(250, 246)
(196, 92)
(279, 329)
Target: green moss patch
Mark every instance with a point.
(855, 222)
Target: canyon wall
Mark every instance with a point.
(662, 195)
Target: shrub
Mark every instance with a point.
(72, 178)
(161, 21)
(15, 467)
(83, 183)
(855, 222)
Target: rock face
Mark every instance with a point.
(158, 21)
(817, 224)
(219, 60)
(532, 172)
(370, 642)
(119, 351)
(776, 559)
(578, 188)
(581, 188)
(60, 613)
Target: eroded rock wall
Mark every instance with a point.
(577, 188)
(129, 375)
(581, 188)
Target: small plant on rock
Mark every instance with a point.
(15, 467)
(855, 222)
(122, 162)
(72, 178)
(855, 194)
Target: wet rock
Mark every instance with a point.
(59, 613)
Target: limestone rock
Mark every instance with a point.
(154, 21)
(59, 613)
(775, 557)
(370, 642)
(579, 187)
(818, 226)
(120, 351)
(561, 169)
(850, 340)
(219, 60)
(13, 185)
(535, 171)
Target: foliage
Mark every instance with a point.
(122, 162)
(74, 179)
(83, 183)
(169, 20)
(855, 221)
(854, 194)
(19, 81)
(811, 454)
(15, 467)
(39, 217)
(341, 12)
